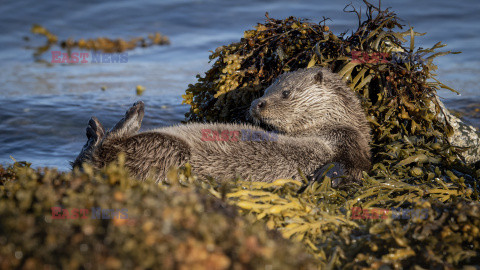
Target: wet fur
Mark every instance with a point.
(320, 122)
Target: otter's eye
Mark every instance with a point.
(285, 94)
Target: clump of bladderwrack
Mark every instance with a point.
(414, 165)
(141, 225)
(101, 44)
(242, 70)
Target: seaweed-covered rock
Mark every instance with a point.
(418, 161)
(107, 220)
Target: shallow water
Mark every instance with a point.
(45, 108)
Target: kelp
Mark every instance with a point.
(101, 44)
(414, 166)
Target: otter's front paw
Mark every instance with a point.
(95, 131)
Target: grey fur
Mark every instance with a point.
(319, 121)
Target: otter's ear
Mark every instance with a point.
(318, 77)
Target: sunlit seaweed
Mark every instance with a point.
(115, 45)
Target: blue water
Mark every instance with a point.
(44, 108)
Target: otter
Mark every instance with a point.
(317, 117)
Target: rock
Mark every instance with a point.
(464, 136)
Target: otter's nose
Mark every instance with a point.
(261, 104)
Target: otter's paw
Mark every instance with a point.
(131, 122)
(95, 131)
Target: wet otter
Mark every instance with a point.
(318, 118)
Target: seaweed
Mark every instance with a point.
(174, 226)
(102, 44)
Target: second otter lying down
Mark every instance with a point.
(319, 120)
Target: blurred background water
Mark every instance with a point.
(44, 108)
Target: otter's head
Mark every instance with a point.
(302, 101)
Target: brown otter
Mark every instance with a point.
(318, 118)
